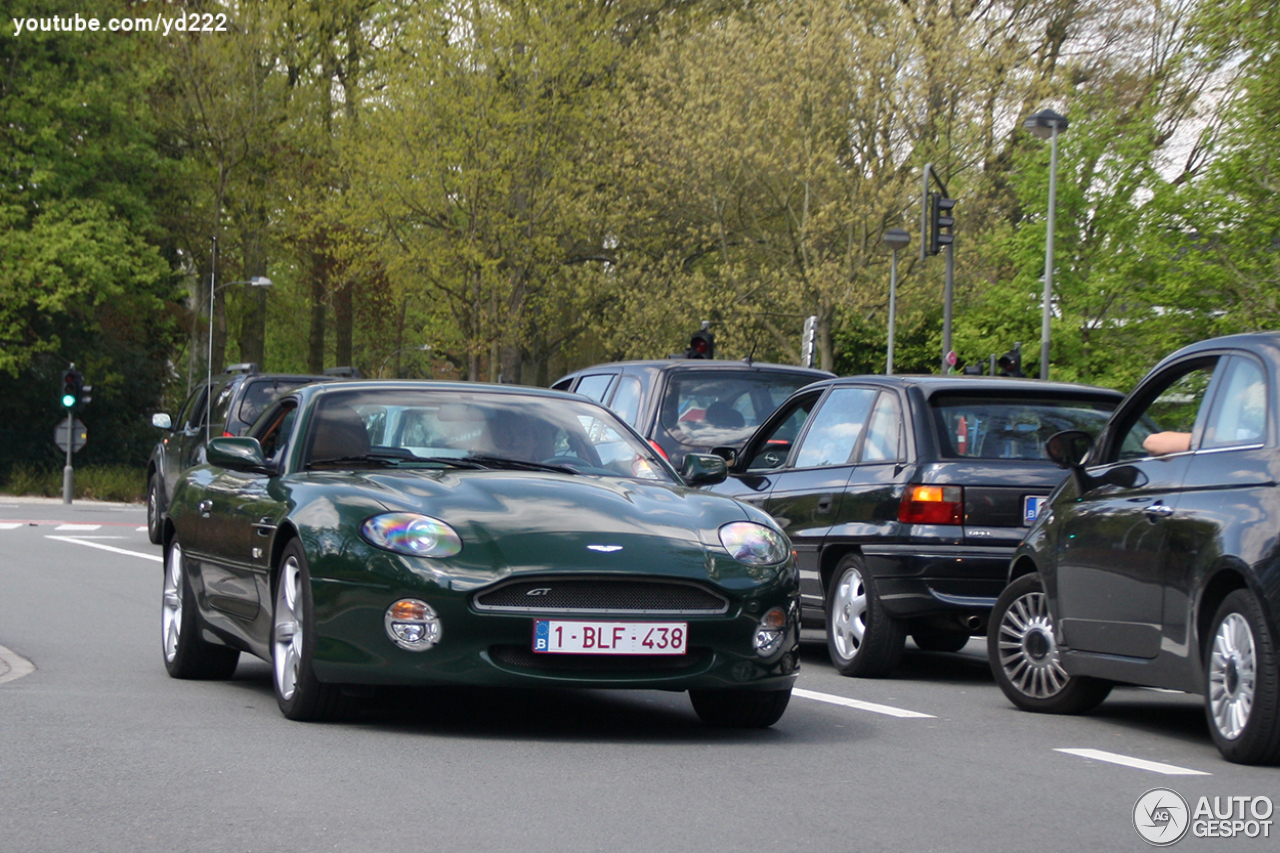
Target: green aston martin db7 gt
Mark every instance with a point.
(396, 533)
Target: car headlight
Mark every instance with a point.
(754, 544)
(412, 534)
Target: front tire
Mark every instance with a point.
(300, 695)
(863, 640)
(155, 510)
(740, 709)
(1242, 697)
(1024, 655)
(186, 653)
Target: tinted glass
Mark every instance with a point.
(595, 386)
(1173, 409)
(258, 394)
(775, 448)
(881, 443)
(1013, 426)
(834, 429)
(417, 428)
(1240, 408)
(709, 408)
(221, 403)
(626, 400)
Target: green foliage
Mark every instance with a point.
(115, 483)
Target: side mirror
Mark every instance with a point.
(703, 469)
(1069, 448)
(238, 454)
(161, 420)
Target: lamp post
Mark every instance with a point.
(895, 239)
(1047, 124)
(256, 281)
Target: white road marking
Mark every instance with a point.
(1139, 763)
(156, 557)
(860, 705)
(85, 527)
(142, 529)
(11, 525)
(13, 665)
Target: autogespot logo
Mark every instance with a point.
(1161, 817)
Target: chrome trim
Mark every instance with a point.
(531, 608)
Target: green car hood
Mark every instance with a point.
(527, 522)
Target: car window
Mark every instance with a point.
(1238, 415)
(881, 443)
(626, 400)
(834, 429)
(222, 403)
(595, 386)
(772, 450)
(259, 393)
(274, 435)
(192, 410)
(1010, 425)
(714, 407)
(1172, 405)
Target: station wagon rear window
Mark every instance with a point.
(724, 407)
(1009, 427)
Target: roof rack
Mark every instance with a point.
(347, 372)
(245, 367)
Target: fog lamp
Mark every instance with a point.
(413, 625)
(770, 632)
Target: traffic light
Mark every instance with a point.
(702, 344)
(1010, 364)
(940, 222)
(72, 386)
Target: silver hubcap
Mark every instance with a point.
(171, 605)
(1028, 653)
(849, 614)
(286, 652)
(1232, 676)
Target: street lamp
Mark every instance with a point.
(256, 281)
(895, 239)
(1047, 124)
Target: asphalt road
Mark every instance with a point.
(101, 751)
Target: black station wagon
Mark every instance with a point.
(687, 406)
(905, 497)
(1157, 562)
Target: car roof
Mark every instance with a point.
(1268, 342)
(679, 364)
(930, 384)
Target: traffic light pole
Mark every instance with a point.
(948, 294)
(68, 473)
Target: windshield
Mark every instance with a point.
(385, 427)
(722, 407)
(995, 427)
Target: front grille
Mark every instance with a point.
(602, 596)
(520, 657)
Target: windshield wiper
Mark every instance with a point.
(392, 457)
(520, 464)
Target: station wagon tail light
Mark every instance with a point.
(659, 450)
(754, 544)
(412, 624)
(412, 534)
(932, 505)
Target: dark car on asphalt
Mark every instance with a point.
(1157, 562)
(415, 534)
(690, 405)
(238, 396)
(905, 497)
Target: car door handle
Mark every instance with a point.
(1159, 510)
(825, 502)
(205, 506)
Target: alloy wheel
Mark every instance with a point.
(171, 605)
(849, 614)
(287, 632)
(1232, 676)
(1028, 653)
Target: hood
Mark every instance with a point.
(525, 522)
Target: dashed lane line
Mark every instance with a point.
(13, 665)
(155, 557)
(1129, 761)
(858, 704)
(78, 527)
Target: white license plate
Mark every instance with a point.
(557, 636)
(1031, 507)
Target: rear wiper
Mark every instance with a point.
(520, 464)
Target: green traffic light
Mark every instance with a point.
(68, 400)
